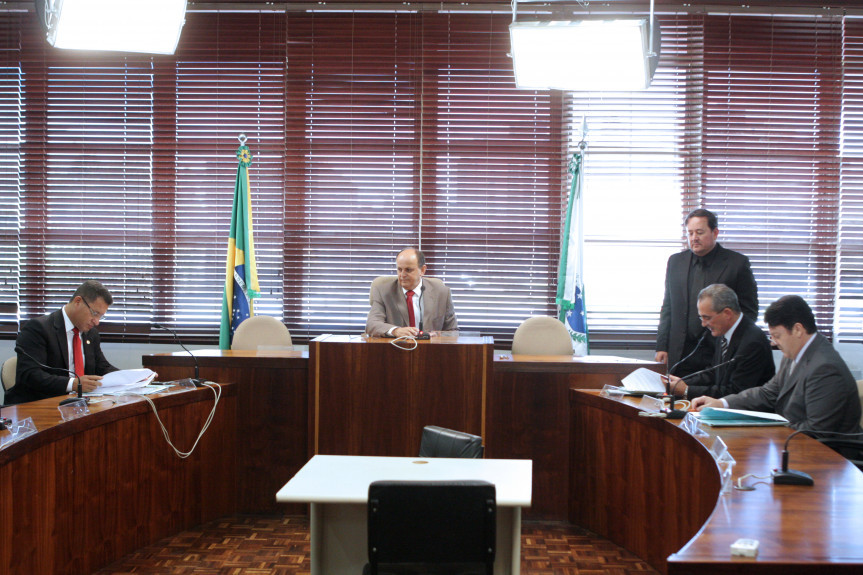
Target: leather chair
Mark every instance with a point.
(431, 527)
(542, 335)
(7, 373)
(850, 447)
(442, 442)
(261, 330)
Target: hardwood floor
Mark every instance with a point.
(254, 545)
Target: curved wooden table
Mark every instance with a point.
(651, 487)
(79, 495)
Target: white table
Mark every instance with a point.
(337, 487)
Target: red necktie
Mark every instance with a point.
(411, 318)
(77, 354)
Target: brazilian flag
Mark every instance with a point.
(241, 273)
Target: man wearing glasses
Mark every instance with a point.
(742, 358)
(66, 340)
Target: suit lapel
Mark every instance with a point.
(720, 262)
(401, 303)
(799, 370)
(60, 333)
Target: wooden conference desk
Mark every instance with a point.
(654, 489)
(78, 495)
(342, 397)
(337, 488)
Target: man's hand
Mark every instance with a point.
(676, 385)
(700, 403)
(661, 357)
(89, 382)
(403, 331)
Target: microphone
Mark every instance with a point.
(785, 476)
(197, 380)
(670, 412)
(691, 353)
(707, 370)
(421, 334)
(64, 370)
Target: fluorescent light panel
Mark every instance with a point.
(151, 26)
(581, 55)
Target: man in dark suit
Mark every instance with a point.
(739, 341)
(66, 339)
(687, 273)
(813, 389)
(410, 302)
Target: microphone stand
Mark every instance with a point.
(670, 412)
(421, 334)
(64, 370)
(196, 380)
(787, 476)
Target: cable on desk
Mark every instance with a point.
(404, 341)
(217, 394)
(741, 487)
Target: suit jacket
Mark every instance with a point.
(728, 267)
(820, 394)
(45, 339)
(753, 364)
(389, 308)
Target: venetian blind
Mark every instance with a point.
(407, 129)
(770, 150)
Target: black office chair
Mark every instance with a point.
(441, 442)
(431, 527)
(851, 449)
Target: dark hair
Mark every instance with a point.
(789, 310)
(712, 220)
(91, 290)
(721, 297)
(421, 257)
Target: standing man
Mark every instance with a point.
(739, 340)
(410, 303)
(688, 272)
(813, 389)
(66, 339)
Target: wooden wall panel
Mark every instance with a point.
(371, 398)
(272, 415)
(79, 495)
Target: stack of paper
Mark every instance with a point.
(717, 416)
(644, 380)
(125, 379)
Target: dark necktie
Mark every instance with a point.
(696, 284)
(78, 356)
(411, 319)
(723, 344)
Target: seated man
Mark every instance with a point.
(66, 339)
(738, 339)
(813, 389)
(409, 305)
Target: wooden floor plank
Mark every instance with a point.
(255, 545)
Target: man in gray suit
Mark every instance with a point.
(813, 389)
(681, 341)
(410, 304)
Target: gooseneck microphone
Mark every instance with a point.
(197, 380)
(691, 353)
(785, 476)
(670, 412)
(63, 369)
(709, 369)
(421, 334)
